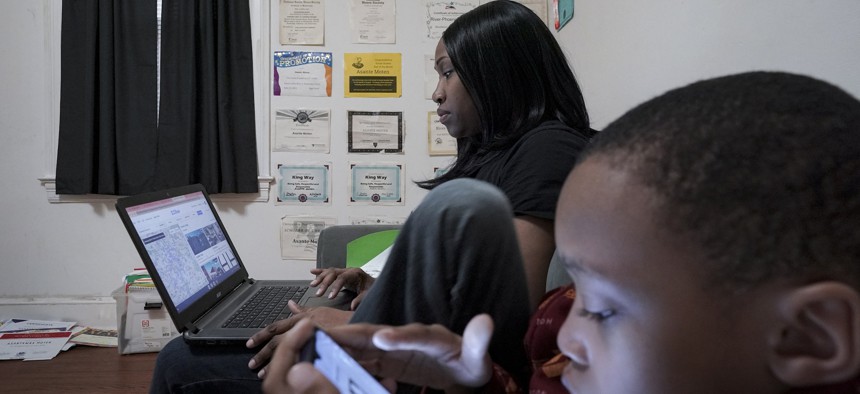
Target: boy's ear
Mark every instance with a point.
(819, 339)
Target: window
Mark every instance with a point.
(259, 28)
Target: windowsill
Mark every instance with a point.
(50, 186)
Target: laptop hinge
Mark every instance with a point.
(192, 328)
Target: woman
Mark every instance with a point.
(507, 94)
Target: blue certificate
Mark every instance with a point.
(376, 183)
(563, 13)
(304, 184)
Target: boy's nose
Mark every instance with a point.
(572, 345)
(578, 355)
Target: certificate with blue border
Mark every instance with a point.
(304, 184)
(376, 184)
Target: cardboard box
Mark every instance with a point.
(143, 324)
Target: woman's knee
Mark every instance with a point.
(468, 197)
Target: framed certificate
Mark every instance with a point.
(375, 132)
(304, 184)
(376, 184)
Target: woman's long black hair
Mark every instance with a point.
(517, 76)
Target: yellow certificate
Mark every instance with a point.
(372, 75)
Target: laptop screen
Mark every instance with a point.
(186, 244)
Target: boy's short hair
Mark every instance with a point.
(761, 170)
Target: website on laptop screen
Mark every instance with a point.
(186, 245)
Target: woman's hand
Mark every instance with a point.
(335, 279)
(324, 317)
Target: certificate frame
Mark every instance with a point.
(304, 184)
(366, 132)
(376, 183)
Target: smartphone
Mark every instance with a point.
(338, 366)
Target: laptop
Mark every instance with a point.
(197, 270)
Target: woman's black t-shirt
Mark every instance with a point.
(532, 171)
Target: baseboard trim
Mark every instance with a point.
(86, 311)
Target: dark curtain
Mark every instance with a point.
(109, 142)
(107, 97)
(206, 124)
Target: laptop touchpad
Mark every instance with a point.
(342, 300)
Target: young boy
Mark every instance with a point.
(712, 234)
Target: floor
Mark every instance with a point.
(81, 369)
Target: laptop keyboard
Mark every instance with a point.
(268, 304)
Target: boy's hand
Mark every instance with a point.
(270, 335)
(285, 374)
(335, 279)
(420, 354)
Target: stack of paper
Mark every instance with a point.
(88, 336)
(136, 279)
(33, 339)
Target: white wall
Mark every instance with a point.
(623, 52)
(627, 51)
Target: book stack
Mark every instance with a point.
(138, 279)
